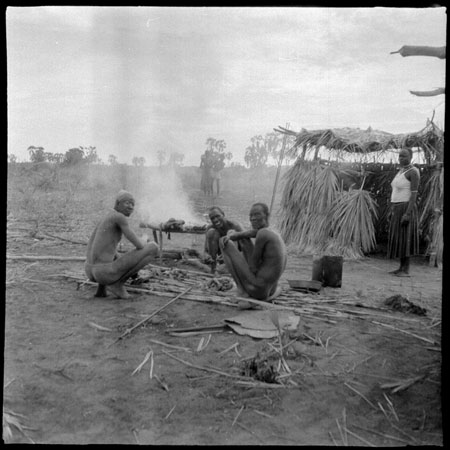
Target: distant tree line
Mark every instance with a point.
(257, 154)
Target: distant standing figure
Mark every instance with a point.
(216, 172)
(257, 273)
(103, 264)
(403, 241)
(220, 226)
(206, 182)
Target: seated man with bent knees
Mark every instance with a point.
(257, 274)
(219, 228)
(103, 264)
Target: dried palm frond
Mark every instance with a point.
(352, 221)
(11, 420)
(438, 239)
(431, 194)
(310, 189)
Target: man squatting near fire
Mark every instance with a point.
(256, 271)
(103, 264)
(219, 227)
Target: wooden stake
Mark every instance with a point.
(280, 160)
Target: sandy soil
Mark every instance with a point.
(73, 384)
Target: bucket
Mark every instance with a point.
(317, 270)
(328, 270)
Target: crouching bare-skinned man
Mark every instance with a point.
(103, 263)
(257, 272)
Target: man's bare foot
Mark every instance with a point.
(394, 272)
(276, 294)
(242, 304)
(101, 291)
(222, 269)
(401, 273)
(119, 290)
(237, 292)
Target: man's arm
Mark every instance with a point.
(261, 239)
(129, 233)
(238, 235)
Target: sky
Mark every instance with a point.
(131, 81)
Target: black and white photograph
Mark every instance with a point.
(224, 225)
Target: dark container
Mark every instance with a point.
(328, 270)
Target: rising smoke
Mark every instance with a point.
(160, 196)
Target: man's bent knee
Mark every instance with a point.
(151, 249)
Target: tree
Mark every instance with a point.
(112, 160)
(73, 156)
(256, 154)
(176, 159)
(161, 155)
(37, 154)
(58, 158)
(90, 155)
(138, 161)
(217, 147)
(12, 158)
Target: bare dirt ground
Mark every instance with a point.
(71, 383)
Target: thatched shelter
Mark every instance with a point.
(340, 205)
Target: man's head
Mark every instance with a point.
(259, 216)
(124, 203)
(405, 156)
(216, 216)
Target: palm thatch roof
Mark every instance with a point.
(354, 140)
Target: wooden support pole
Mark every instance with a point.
(280, 160)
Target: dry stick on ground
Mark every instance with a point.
(240, 379)
(175, 347)
(64, 239)
(402, 384)
(249, 431)
(263, 414)
(202, 274)
(202, 297)
(395, 427)
(430, 341)
(208, 369)
(162, 384)
(388, 436)
(170, 412)
(391, 407)
(130, 330)
(45, 258)
(359, 437)
(332, 438)
(237, 415)
(139, 367)
(361, 395)
(340, 431)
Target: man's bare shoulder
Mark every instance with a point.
(114, 217)
(233, 225)
(268, 233)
